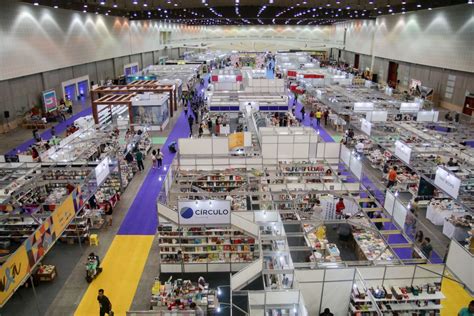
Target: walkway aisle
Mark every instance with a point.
(456, 296)
(127, 255)
(403, 253)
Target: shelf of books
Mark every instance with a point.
(205, 249)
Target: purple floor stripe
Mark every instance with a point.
(46, 135)
(307, 122)
(404, 253)
(397, 239)
(142, 217)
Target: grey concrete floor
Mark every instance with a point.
(63, 295)
(19, 135)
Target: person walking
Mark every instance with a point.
(108, 211)
(318, 117)
(303, 111)
(190, 122)
(410, 222)
(159, 158)
(153, 159)
(139, 159)
(53, 132)
(392, 177)
(105, 304)
(311, 118)
(326, 115)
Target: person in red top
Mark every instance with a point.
(392, 177)
(339, 208)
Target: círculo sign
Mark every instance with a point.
(204, 212)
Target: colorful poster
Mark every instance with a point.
(12, 273)
(49, 100)
(236, 140)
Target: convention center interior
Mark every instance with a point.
(237, 158)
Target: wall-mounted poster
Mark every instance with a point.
(49, 100)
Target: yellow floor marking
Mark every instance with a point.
(122, 268)
(456, 298)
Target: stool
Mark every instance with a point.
(93, 240)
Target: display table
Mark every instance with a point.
(437, 213)
(455, 232)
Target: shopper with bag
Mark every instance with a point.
(105, 305)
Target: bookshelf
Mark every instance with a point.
(195, 248)
(407, 300)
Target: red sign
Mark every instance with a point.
(292, 73)
(215, 78)
(313, 76)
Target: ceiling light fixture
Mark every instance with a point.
(36, 3)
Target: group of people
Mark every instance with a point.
(318, 114)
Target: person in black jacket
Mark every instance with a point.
(105, 305)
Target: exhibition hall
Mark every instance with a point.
(237, 157)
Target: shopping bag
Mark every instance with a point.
(111, 313)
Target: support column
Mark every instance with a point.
(372, 57)
(171, 103)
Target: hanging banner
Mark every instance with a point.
(363, 106)
(22, 261)
(427, 116)
(447, 182)
(102, 171)
(366, 126)
(409, 107)
(12, 273)
(402, 151)
(376, 116)
(201, 212)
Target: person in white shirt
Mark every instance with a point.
(317, 210)
(197, 309)
(360, 148)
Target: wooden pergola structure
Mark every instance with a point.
(112, 100)
(136, 87)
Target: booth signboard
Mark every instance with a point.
(409, 107)
(427, 116)
(49, 100)
(447, 182)
(363, 106)
(13, 271)
(102, 171)
(201, 212)
(376, 116)
(366, 126)
(236, 140)
(402, 151)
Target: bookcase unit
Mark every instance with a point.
(204, 249)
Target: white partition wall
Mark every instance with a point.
(461, 262)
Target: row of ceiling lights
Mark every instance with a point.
(304, 12)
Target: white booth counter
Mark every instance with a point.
(151, 109)
(438, 211)
(457, 226)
